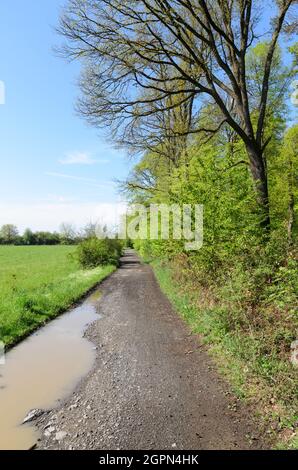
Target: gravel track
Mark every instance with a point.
(153, 386)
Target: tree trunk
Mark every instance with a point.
(259, 174)
(290, 220)
(291, 217)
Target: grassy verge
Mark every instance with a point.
(37, 283)
(266, 381)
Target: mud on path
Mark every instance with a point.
(152, 385)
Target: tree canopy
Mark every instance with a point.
(146, 58)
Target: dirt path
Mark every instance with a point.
(152, 386)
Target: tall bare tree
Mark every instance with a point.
(202, 44)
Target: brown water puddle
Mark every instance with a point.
(42, 369)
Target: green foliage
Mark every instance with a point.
(8, 234)
(94, 252)
(294, 50)
(279, 77)
(38, 283)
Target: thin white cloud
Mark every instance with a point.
(91, 181)
(80, 158)
(58, 198)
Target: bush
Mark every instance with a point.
(94, 252)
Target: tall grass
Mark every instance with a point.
(251, 354)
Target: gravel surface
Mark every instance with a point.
(153, 385)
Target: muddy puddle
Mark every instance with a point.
(43, 369)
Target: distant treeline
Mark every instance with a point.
(67, 235)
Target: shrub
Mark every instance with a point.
(94, 252)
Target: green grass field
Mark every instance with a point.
(38, 283)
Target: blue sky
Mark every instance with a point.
(54, 167)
